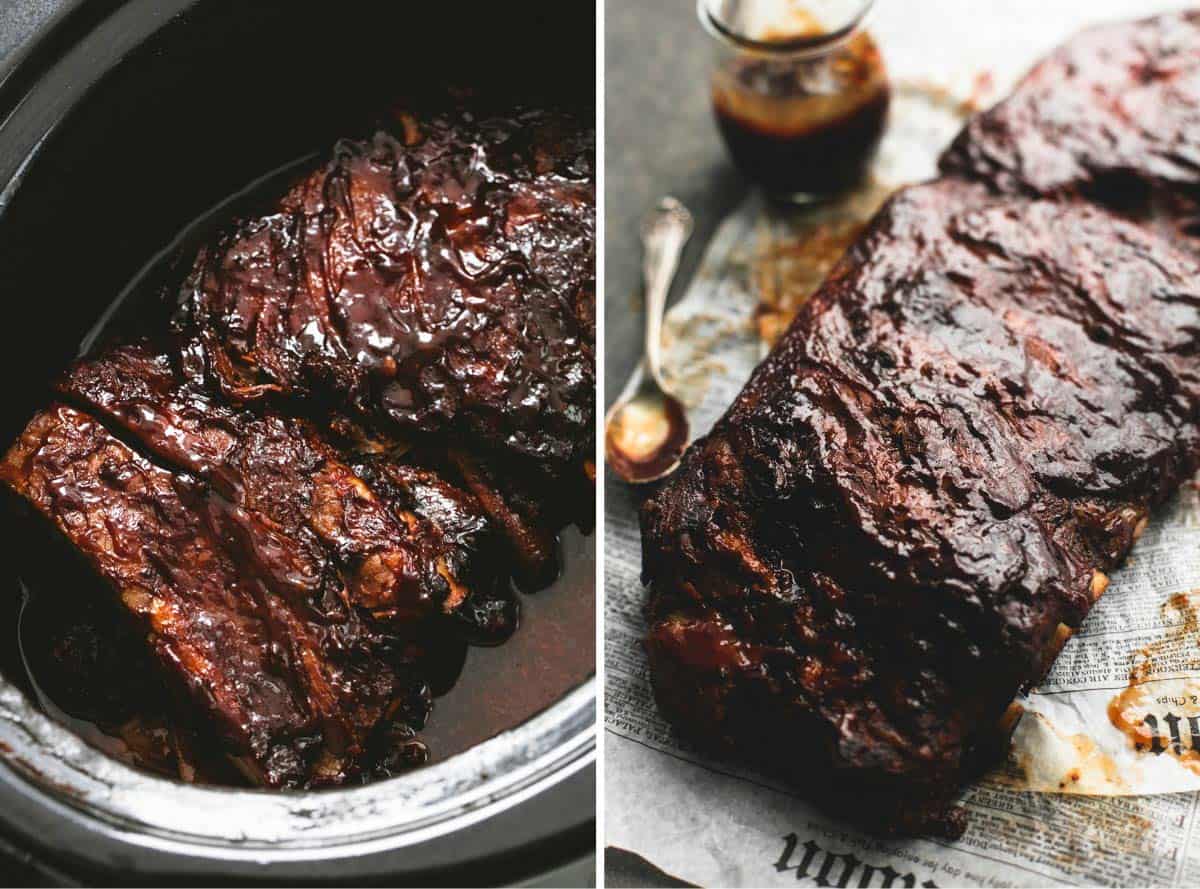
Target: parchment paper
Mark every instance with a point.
(1101, 785)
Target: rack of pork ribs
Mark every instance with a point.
(918, 495)
(372, 412)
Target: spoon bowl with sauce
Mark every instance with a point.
(646, 430)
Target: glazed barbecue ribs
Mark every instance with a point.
(918, 495)
(247, 545)
(436, 284)
(294, 510)
(294, 697)
(1113, 115)
(371, 409)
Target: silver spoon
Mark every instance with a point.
(646, 430)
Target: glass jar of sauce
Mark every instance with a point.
(799, 90)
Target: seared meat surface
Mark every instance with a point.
(481, 606)
(1114, 114)
(917, 496)
(282, 562)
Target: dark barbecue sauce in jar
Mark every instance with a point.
(802, 110)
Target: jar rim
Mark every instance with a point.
(805, 46)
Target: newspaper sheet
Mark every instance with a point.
(1101, 787)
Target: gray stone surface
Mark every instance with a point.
(660, 139)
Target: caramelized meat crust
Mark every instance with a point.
(1114, 114)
